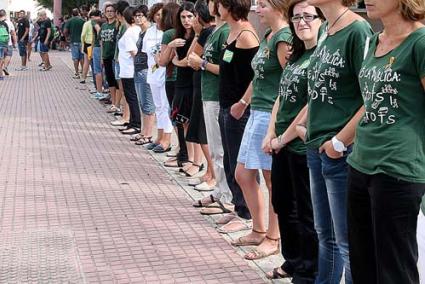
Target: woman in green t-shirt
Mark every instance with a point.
(387, 175)
(291, 197)
(267, 65)
(334, 108)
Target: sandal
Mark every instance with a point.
(187, 163)
(199, 203)
(144, 140)
(245, 225)
(275, 274)
(174, 163)
(200, 168)
(260, 254)
(137, 137)
(213, 210)
(239, 242)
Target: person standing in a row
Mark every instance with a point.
(23, 35)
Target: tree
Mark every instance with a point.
(67, 5)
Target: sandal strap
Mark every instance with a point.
(259, 232)
(276, 240)
(212, 198)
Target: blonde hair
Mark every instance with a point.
(281, 6)
(412, 10)
(348, 3)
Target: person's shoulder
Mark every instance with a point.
(247, 39)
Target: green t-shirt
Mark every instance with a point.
(96, 36)
(120, 33)
(212, 50)
(167, 37)
(333, 90)
(108, 37)
(267, 70)
(75, 26)
(292, 98)
(390, 138)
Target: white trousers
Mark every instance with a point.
(162, 108)
(222, 191)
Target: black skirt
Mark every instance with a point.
(182, 104)
(196, 132)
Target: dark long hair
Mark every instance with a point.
(168, 18)
(201, 8)
(180, 30)
(298, 47)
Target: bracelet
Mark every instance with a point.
(279, 140)
(204, 64)
(242, 101)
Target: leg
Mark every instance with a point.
(335, 173)
(330, 261)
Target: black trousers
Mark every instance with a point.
(382, 220)
(291, 201)
(231, 131)
(133, 103)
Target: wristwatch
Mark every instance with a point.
(204, 64)
(338, 145)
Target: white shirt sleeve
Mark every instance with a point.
(130, 40)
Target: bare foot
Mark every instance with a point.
(254, 238)
(204, 202)
(236, 225)
(226, 219)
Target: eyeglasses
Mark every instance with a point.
(139, 16)
(306, 17)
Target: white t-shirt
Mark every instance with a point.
(151, 46)
(11, 28)
(126, 44)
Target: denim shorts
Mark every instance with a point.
(144, 93)
(42, 48)
(117, 70)
(9, 51)
(97, 65)
(250, 152)
(22, 47)
(3, 51)
(76, 52)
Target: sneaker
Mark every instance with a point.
(25, 68)
(22, 68)
(118, 123)
(41, 64)
(82, 81)
(76, 76)
(100, 96)
(112, 109)
(6, 72)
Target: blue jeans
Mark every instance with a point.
(97, 64)
(144, 93)
(22, 47)
(328, 185)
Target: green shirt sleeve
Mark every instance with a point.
(418, 53)
(358, 43)
(168, 36)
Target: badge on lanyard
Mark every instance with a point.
(228, 56)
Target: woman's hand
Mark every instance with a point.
(178, 42)
(328, 148)
(237, 110)
(197, 27)
(194, 61)
(266, 145)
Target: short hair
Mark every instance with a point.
(168, 19)
(22, 11)
(348, 3)
(128, 15)
(121, 6)
(143, 9)
(85, 8)
(201, 8)
(412, 10)
(238, 9)
(154, 9)
(110, 5)
(2, 13)
(95, 13)
(75, 12)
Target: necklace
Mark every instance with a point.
(336, 21)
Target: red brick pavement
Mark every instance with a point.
(63, 168)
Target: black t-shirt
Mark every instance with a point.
(42, 32)
(184, 74)
(235, 73)
(22, 25)
(203, 36)
(141, 58)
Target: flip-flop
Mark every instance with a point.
(213, 210)
(137, 137)
(199, 203)
(174, 163)
(160, 149)
(275, 274)
(144, 140)
(225, 219)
